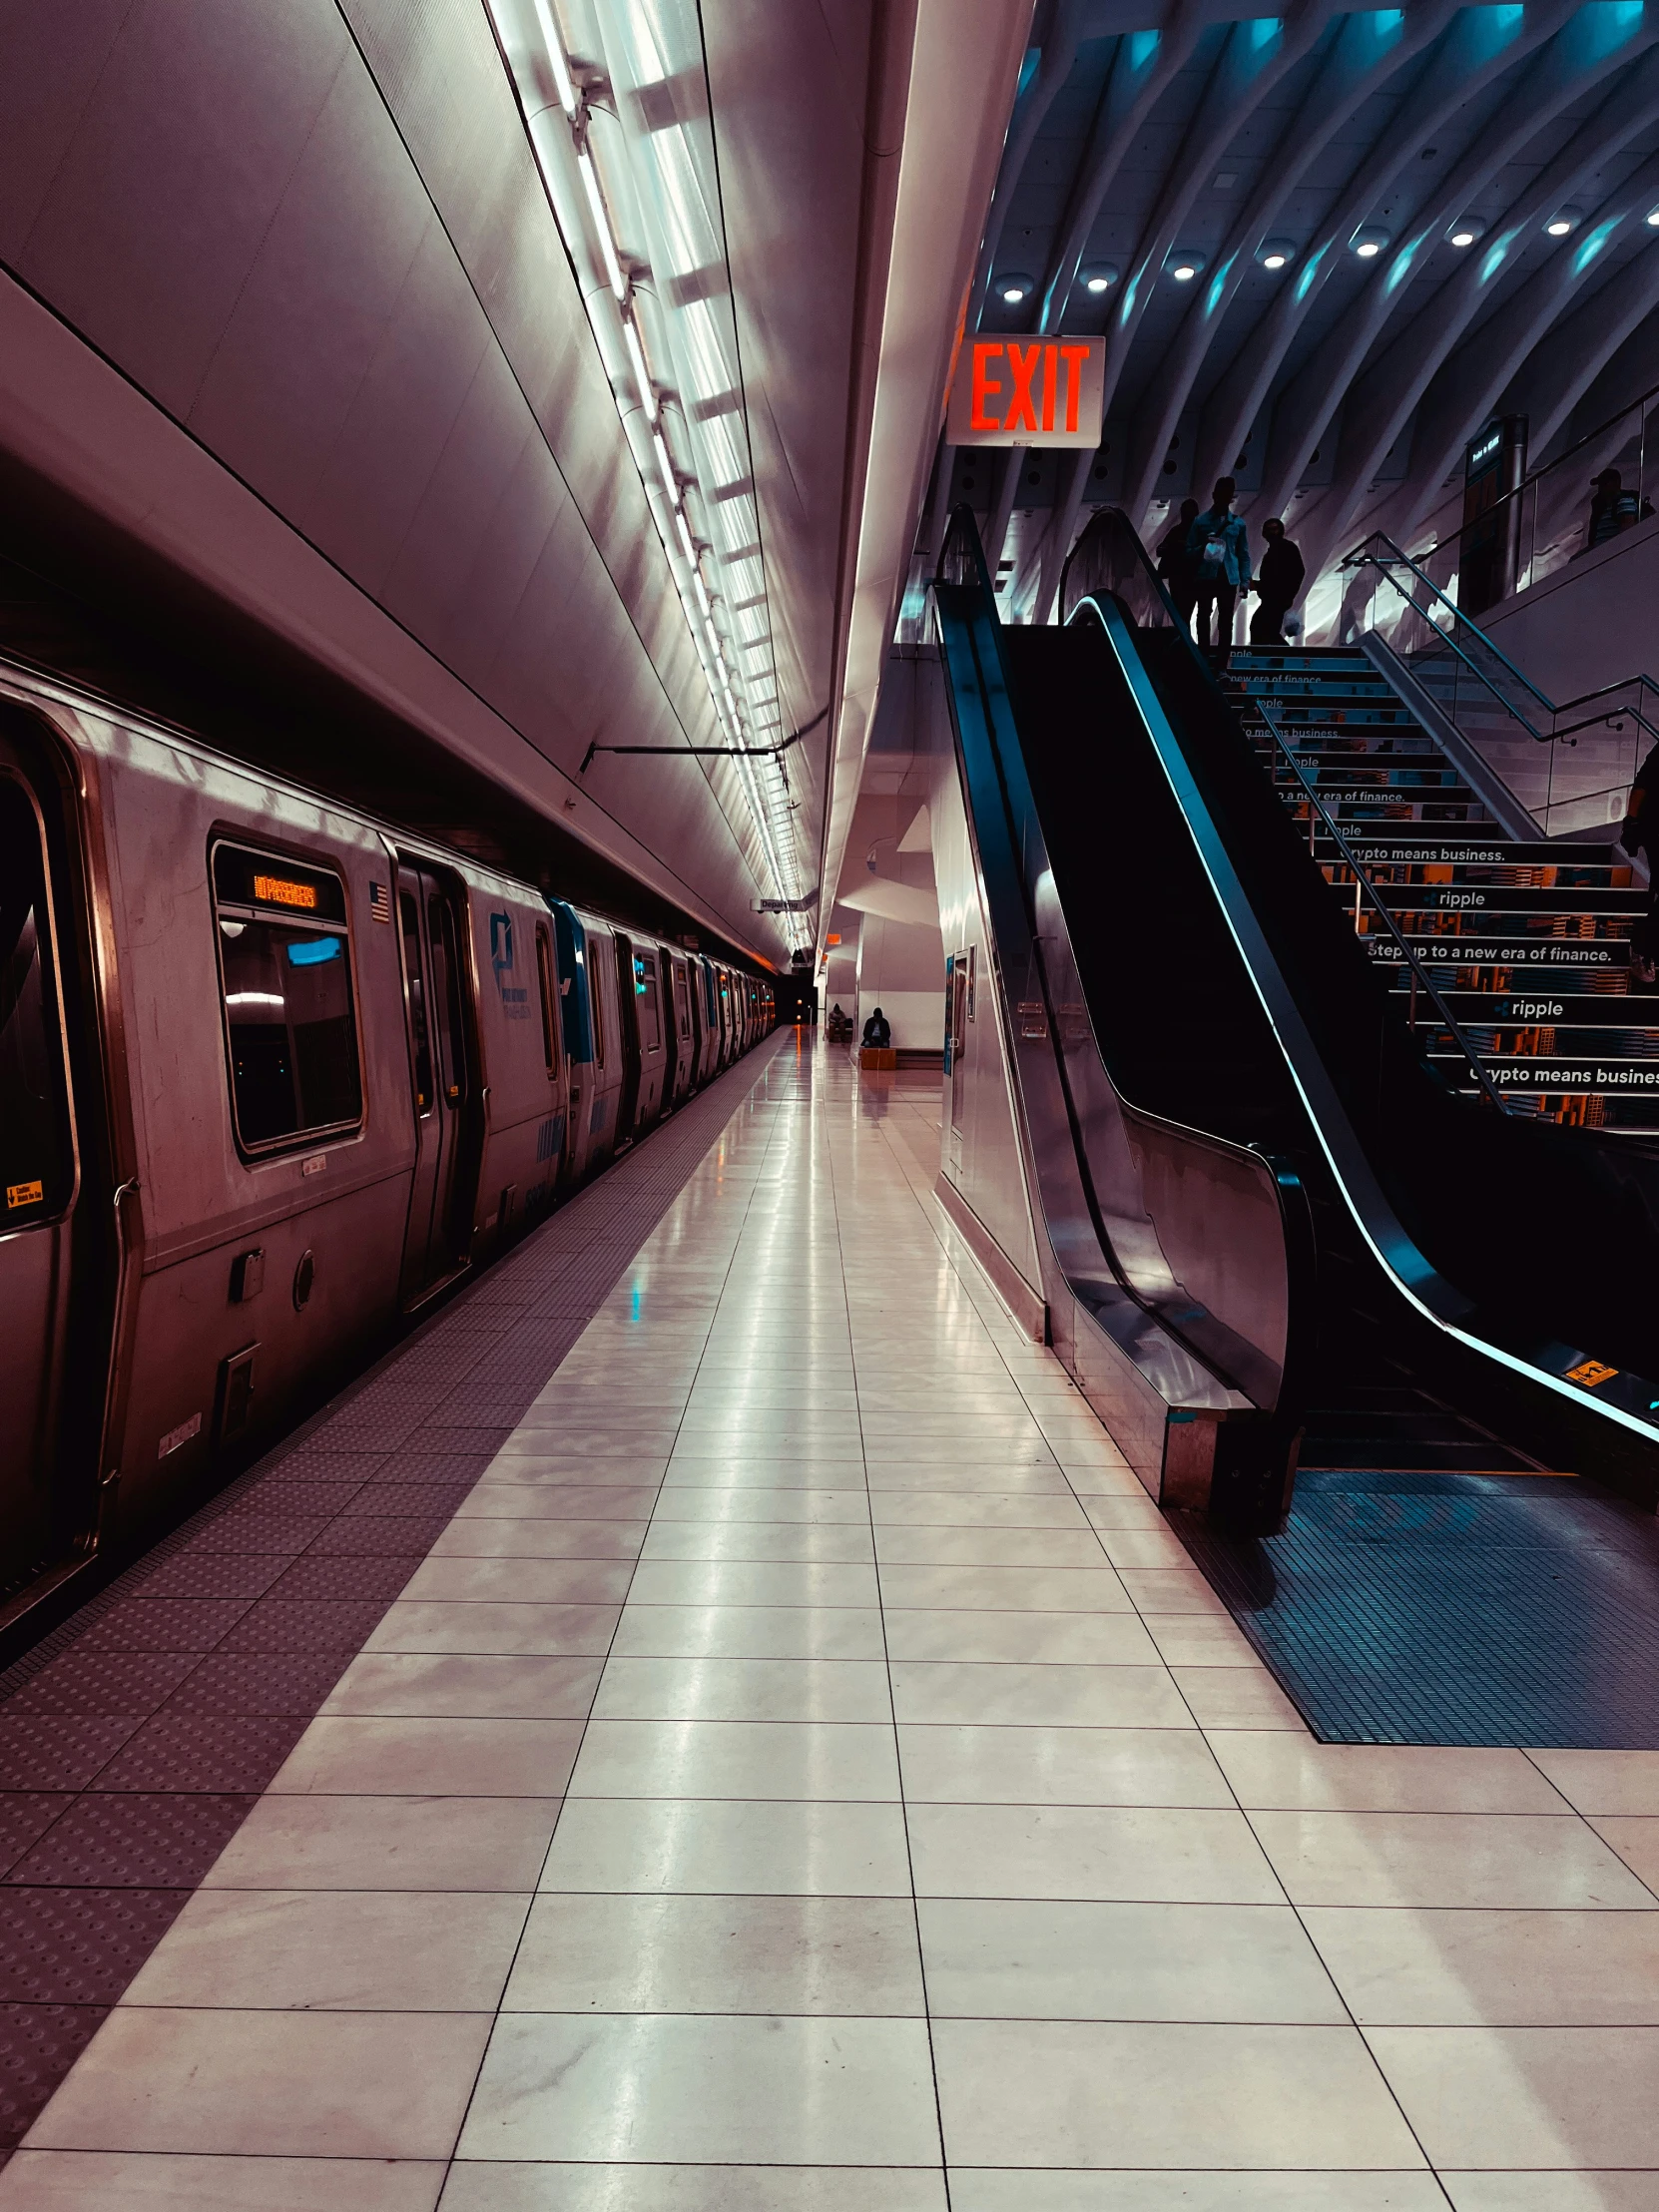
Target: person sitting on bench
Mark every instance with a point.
(878, 1033)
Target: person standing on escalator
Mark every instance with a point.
(1175, 563)
(1218, 546)
(1279, 580)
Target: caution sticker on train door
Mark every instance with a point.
(24, 1194)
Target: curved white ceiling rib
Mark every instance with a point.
(1477, 52)
(1386, 395)
(1346, 387)
(1475, 377)
(1367, 52)
(1546, 87)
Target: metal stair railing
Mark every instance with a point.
(1526, 711)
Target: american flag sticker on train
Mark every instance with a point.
(379, 901)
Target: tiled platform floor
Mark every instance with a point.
(806, 1760)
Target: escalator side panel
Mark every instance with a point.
(1083, 1161)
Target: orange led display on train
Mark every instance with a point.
(276, 891)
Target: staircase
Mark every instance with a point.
(1527, 943)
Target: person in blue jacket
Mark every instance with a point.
(1218, 546)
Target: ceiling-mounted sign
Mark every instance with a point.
(1028, 391)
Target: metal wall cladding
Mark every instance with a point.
(317, 241)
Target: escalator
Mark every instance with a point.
(1453, 1297)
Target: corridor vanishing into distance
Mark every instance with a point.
(807, 1773)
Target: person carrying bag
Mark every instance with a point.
(1218, 545)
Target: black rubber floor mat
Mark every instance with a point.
(1417, 1608)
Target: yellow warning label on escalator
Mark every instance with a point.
(1590, 1373)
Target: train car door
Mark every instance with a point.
(710, 1065)
(694, 1015)
(39, 1183)
(629, 1023)
(437, 985)
(677, 996)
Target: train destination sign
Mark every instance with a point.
(1028, 391)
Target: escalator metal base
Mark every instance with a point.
(1433, 1608)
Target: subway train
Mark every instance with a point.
(273, 1077)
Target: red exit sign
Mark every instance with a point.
(1028, 391)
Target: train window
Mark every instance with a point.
(596, 1006)
(549, 1002)
(284, 964)
(646, 1004)
(36, 1151)
(446, 996)
(682, 1001)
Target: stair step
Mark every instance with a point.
(1496, 945)
(1497, 898)
(1462, 852)
(1557, 1009)
(1565, 1075)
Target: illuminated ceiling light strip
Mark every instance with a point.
(642, 374)
(717, 676)
(601, 223)
(563, 84)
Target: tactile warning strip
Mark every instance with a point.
(1418, 1608)
(137, 1736)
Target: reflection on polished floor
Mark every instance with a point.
(807, 1758)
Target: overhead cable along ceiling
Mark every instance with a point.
(615, 99)
(1323, 249)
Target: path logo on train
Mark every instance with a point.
(515, 997)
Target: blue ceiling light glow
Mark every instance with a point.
(1403, 264)
(1028, 68)
(1142, 46)
(1593, 245)
(1262, 29)
(1606, 27)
